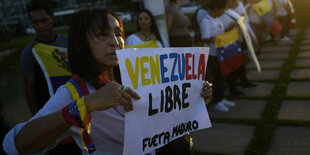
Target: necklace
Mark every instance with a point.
(148, 37)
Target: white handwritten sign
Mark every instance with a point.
(169, 81)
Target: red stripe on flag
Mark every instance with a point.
(81, 84)
(232, 64)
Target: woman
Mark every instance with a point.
(177, 24)
(147, 30)
(94, 36)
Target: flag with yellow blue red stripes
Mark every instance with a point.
(229, 51)
(54, 63)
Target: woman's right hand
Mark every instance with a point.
(110, 95)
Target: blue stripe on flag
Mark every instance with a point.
(229, 51)
(77, 87)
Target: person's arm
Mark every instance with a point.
(209, 40)
(205, 29)
(169, 21)
(248, 7)
(39, 133)
(231, 26)
(29, 82)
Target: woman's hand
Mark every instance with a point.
(207, 92)
(110, 95)
(231, 26)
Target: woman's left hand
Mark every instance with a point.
(207, 92)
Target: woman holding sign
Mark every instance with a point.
(147, 32)
(94, 95)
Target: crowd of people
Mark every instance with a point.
(94, 36)
(213, 19)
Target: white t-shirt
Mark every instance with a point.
(133, 39)
(201, 14)
(210, 27)
(281, 11)
(107, 131)
(253, 16)
(227, 20)
(240, 9)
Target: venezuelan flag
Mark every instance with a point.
(264, 10)
(54, 64)
(228, 47)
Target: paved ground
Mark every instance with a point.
(233, 132)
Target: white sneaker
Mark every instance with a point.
(221, 107)
(229, 103)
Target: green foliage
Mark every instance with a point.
(5, 32)
(130, 27)
(17, 43)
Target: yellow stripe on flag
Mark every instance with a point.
(148, 44)
(81, 134)
(262, 7)
(226, 38)
(83, 112)
(75, 94)
(54, 59)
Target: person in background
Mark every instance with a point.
(240, 73)
(283, 12)
(256, 24)
(42, 20)
(199, 14)
(177, 24)
(95, 34)
(146, 23)
(203, 11)
(229, 23)
(239, 8)
(147, 30)
(210, 26)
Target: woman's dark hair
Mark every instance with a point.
(154, 28)
(217, 4)
(83, 24)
